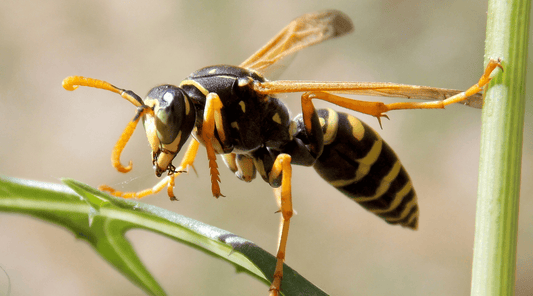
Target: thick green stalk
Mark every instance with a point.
(501, 151)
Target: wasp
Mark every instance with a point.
(233, 112)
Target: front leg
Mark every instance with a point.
(168, 181)
(212, 118)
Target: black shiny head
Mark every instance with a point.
(173, 121)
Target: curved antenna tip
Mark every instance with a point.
(68, 83)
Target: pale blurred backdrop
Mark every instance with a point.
(47, 133)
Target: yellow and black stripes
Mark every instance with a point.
(357, 162)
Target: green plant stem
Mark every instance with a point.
(501, 151)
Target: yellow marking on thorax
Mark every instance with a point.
(202, 89)
(243, 82)
(235, 125)
(243, 106)
(293, 129)
(213, 71)
(226, 76)
(276, 118)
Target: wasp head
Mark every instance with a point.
(170, 126)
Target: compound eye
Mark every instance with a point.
(168, 116)
(167, 102)
(174, 115)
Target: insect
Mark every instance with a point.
(233, 111)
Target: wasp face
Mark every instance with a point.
(171, 125)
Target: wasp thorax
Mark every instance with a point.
(171, 125)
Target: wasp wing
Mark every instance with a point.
(307, 30)
(313, 28)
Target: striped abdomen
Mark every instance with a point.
(361, 165)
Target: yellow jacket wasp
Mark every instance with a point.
(233, 112)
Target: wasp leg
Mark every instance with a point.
(212, 117)
(186, 163)
(168, 181)
(378, 109)
(482, 82)
(140, 194)
(115, 158)
(188, 159)
(312, 125)
(282, 166)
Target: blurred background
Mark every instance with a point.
(47, 133)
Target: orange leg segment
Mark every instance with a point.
(169, 181)
(211, 112)
(188, 159)
(378, 109)
(140, 194)
(282, 165)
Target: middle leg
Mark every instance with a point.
(282, 167)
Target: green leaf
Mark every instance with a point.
(102, 220)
